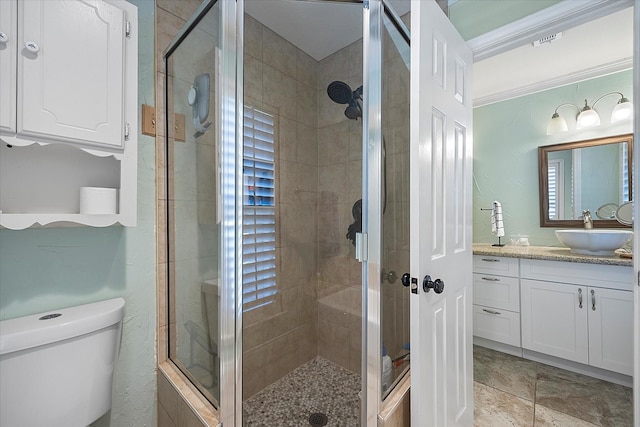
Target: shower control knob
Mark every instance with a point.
(428, 284)
(406, 279)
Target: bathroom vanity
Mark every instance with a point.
(549, 305)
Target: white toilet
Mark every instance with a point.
(56, 368)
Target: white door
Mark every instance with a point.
(441, 223)
(61, 95)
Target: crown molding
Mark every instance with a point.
(560, 17)
(589, 73)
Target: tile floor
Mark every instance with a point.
(508, 391)
(511, 391)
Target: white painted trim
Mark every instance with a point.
(636, 211)
(590, 73)
(560, 17)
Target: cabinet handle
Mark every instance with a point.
(490, 260)
(593, 299)
(32, 47)
(490, 279)
(491, 311)
(4, 38)
(579, 297)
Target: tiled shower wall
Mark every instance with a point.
(339, 186)
(280, 79)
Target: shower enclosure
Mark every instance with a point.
(288, 209)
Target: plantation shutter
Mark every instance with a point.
(259, 219)
(555, 181)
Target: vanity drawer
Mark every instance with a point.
(501, 266)
(577, 273)
(496, 291)
(496, 325)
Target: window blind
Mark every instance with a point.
(555, 173)
(259, 220)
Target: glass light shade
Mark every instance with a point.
(557, 124)
(622, 111)
(588, 118)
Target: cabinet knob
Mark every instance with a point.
(4, 38)
(32, 47)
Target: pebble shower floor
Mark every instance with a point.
(318, 386)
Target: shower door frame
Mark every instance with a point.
(232, 138)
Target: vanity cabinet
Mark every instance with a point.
(68, 115)
(579, 312)
(496, 299)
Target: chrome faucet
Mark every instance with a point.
(586, 218)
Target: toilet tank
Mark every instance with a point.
(56, 368)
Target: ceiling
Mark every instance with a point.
(321, 28)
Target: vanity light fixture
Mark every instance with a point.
(588, 116)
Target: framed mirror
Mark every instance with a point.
(592, 175)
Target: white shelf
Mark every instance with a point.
(22, 221)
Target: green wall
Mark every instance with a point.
(474, 17)
(506, 138)
(46, 268)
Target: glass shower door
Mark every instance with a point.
(200, 92)
(386, 188)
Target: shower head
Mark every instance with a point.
(353, 111)
(340, 92)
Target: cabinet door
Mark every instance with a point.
(70, 71)
(8, 52)
(611, 330)
(554, 319)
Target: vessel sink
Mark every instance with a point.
(593, 242)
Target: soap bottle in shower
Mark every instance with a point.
(386, 369)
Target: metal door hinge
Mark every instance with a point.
(127, 29)
(126, 131)
(362, 246)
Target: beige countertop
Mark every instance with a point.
(551, 253)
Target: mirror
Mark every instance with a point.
(577, 176)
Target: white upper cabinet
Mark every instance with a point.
(65, 70)
(68, 110)
(70, 71)
(8, 68)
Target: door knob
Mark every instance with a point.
(428, 284)
(406, 279)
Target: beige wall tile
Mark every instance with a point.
(253, 71)
(333, 342)
(253, 37)
(164, 420)
(307, 69)
(279, 91)
(167, 26)
(168, 397)
(186, 416)
(183, 8)
(278, 53)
